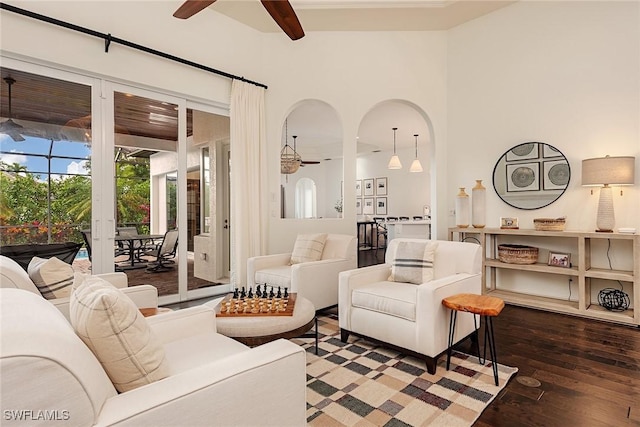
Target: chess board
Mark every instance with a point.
(250, 307)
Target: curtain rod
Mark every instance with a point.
(108, 39)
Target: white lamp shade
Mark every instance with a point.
(416, 166)
(394, 163)
(608, 170)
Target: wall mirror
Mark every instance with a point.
(314, 188)
(531, 175)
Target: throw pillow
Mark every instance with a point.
(113, 328)
(52, 276)
(308, 247)
(413, 262)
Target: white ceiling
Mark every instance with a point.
(364, 15)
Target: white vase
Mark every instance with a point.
(462, 209)
(478, 205)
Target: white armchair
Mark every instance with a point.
(407, 316)
(316, 281)
(14, 276)
(213, 380)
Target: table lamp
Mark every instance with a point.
(606, 171)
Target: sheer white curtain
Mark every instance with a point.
(248, 177)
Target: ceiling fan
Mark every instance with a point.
(9, 127)
(280, 10)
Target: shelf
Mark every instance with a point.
(602, 273)
(538, 267)
(583, 251)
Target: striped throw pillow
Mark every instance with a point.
(52, 276)
(413, 262)
(308, 247)
(113, 328)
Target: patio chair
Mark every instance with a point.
(163, 252)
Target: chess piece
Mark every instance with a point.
(250, 293)
(258, 291)
(286, 292)
(243, 293)
(279, 295)
(271, 294)
(235, 293)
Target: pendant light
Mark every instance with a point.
(9, 127)
(416, 166)
(394, 162)
(290, 160)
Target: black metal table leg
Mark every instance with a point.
(488, 336)
(452, 331)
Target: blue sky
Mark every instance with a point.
(18, 153)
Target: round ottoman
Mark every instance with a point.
(258, 330)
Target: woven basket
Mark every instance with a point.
(517, 254)
(549, 224)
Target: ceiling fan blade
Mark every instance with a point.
(284, 15)
(191, 7)
(310, 162)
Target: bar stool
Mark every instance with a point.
(485, 306)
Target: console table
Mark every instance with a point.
(589, 272)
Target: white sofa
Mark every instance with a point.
(214, 380)
(316, 281)
(14, 276)
(407, 316)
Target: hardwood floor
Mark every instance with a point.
(589, 371)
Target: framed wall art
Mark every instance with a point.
(358, 206)
(368, 187)
(509, 223)
(550, 151)
(523, 177)
(526, 151)
(367, 206)
(381, 205)
(381, 186)
(556, 175)
(358, 188)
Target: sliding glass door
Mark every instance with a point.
(115, 167)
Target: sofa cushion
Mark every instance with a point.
(14, 276)
(394, 299)
(413, 262)
(308, 247)
(275, 276)
(111, 325)
(52, 277)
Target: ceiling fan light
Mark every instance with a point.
(416, 166)
(394, 162)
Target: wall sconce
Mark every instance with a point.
(416, 166)
(394, 162)
(607, 171)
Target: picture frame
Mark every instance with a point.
(556, 174)
(523, 177)
(559, 259)
(550, 151)
(367, 206)
(381, 186)
(381, 205)
(368, 188)
(509, 223)
(358, 188)
(525, 151)
(358, 206)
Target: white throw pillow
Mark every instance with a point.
(113, 328)
(52, 276)
(413, 262)
(308, 247)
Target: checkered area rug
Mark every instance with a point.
(361, 384)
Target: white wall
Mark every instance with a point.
(564, 73)
(352, 72)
